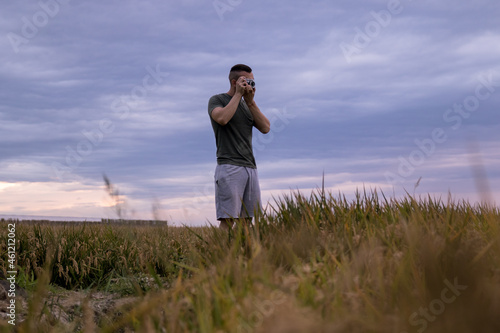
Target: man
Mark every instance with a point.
(233, 116)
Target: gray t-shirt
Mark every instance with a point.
(234, 140)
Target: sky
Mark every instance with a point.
(393, 96)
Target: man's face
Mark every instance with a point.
(245, 74)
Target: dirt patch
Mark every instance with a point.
(69, 309)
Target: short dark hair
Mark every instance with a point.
(233, 73)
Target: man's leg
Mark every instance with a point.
(230, 182)
(226, 224)
(251, 202)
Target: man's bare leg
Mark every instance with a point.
(244, 222)
(226, 224)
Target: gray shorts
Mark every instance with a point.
(237, 191)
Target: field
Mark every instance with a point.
(316, 263)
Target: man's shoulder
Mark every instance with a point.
(219, 100)
(222, 96)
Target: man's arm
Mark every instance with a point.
(261, 121)
(222, 115)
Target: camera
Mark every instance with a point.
(251, 83)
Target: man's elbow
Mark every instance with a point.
(265, 129)
(219, 119)
(221, 122)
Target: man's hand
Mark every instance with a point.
(241, 86)
(249, 93)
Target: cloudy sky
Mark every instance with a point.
(374, 94)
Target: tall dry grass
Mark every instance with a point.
(318, 263)
(89, 255)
